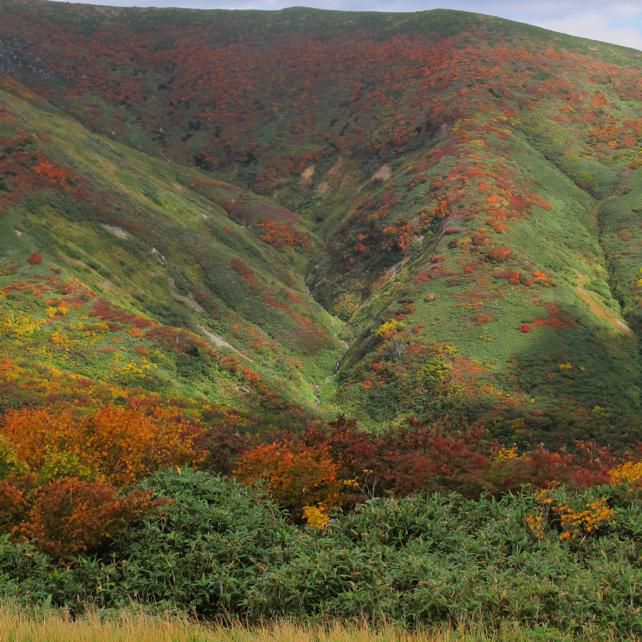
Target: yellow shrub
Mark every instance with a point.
(506, 454)
(628, 473)
(575, 525)
(388, 326)
(536, 523)
(316, 516)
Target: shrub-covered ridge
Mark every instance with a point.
(467, 184)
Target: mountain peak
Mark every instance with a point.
(432, 215)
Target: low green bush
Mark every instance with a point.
(219, 549)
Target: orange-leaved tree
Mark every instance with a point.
(298, 476)
(118, 444)
(71, 516)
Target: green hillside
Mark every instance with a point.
(322, 323)
(433, 215)
(123, 273)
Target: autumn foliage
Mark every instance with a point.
(71, 516)
(339, 465)
(410, 131)
(158, 319)
(573, 523)
(281, 234)
(112, 443)
(61, 471)
(297, 475)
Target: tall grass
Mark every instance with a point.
(134, 626)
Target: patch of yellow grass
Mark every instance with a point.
(132, 626)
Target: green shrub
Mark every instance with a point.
(221, 549)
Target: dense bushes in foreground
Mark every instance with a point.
(67, 478)
(218, 548)
(421, 525)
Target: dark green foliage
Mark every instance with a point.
(224, 550)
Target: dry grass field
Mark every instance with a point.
(57, 626)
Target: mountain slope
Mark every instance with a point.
(467, 193)
(123, 270)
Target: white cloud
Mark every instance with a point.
(627, 9)
(595, 25)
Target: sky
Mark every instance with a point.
(616, 21)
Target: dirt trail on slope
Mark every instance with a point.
(221, 342)
(599, 309)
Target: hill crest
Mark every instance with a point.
(458, 192)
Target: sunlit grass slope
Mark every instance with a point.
(130, 272)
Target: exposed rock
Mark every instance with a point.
(118, 232)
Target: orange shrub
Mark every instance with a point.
(573, 524)
(296, 476)
(112, 443)
(71, 516)
(281, 234)
(499, 254)
(127, 444)
(580, 524)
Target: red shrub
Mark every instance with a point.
(245, 272)
(499, 254)
(423, 458)
(71, 516)
(12, 505)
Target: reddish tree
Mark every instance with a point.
(71, 516)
